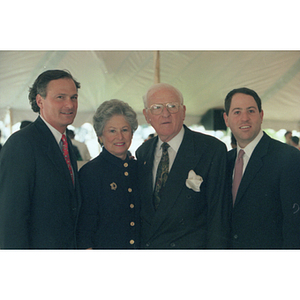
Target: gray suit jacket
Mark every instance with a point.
(38, 203)
(186, 219)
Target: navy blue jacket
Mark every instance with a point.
(185, 218)
(38, 204)
(109, 218)
(266, 213)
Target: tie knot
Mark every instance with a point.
(165, 146)
(64, 139)
(241, 153)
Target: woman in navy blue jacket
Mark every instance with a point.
(109, 217)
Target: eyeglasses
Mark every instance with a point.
(157, 109)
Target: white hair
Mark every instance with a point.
(160, 86)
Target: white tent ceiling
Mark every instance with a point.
(204, 78)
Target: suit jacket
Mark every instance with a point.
(38, 202)
(109, 216)
(266, 211)
(185, 218)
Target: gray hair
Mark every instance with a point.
(110, 108)
(160, 86)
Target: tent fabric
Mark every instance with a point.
(203, 77)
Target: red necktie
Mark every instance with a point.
(66, 155)
(238, 173)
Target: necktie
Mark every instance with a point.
(238, 173)
(66, 155)
(161, 174)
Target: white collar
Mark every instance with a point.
(54, 131)
(174, 142)
(251, 146)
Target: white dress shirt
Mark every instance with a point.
(249, 149)
(54, 131)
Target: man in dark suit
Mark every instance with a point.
(39, 200)
(0, 140)
(266, 209)
(192, 212)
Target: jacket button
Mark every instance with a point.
(132, 223)
(126, 173)
(131, 242)
(235, 236)
(131, 205)
(129, 190)
(126, 165)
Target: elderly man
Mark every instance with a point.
(182, 179)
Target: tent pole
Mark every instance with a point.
(156, 67)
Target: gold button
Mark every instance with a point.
(126, 173)
(145, 162)
(129, 190)
(131, 205)
(131, 242)
(132, 223)
(126, 165)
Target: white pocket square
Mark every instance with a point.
(194, 181)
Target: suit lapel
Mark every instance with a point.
(231, 157)
(186, 159)
(52, 150)
(254, 165)
(147, 188)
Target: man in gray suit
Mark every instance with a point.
(39, 195)
(185, 208)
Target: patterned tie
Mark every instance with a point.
(161, 174)
(66, 155)
(238, 173)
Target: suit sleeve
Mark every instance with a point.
(88, 216)
(290, 199)
(16, 186)
(218, 202)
